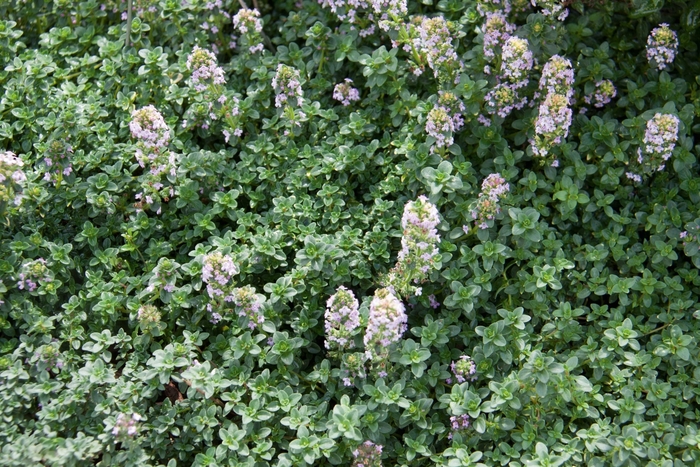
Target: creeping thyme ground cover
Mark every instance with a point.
(349, 232)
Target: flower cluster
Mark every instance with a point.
(558, 77)
(662, 45)
(552, 125)
(149, 128)
(248, 23)
(493, 189)
(435, 41)
(205, 70)
(248, 304)
(353, 367)
(484, 7)
(458, 423)
(659, 140)
(440, 125)
(418, 247)
(553, 8)
(32, 274)
(388, 9)
(453, 106)
(367, 454)
(386, 324)
(57, 160)
(496, 31)
(345, 93)
(217, 272)
(516, 62)
(48, 356)
(463, 369)
(153, 135)
(11, 179)
(342, 319)
(604, 92)
(287, 85)
(502, 99)
(125, 426)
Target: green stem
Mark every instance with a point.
(128, 22)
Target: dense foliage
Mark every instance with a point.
(330, 232)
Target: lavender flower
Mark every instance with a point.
(345, 93)
(516, 61)
(453, 106)
(248, 23)
(496, 31)
(662, 45)
(205, 70)
(604, 92)
(248, 304)
(503, 99)
(484, 7)
(32, 274)
(553, 8)
(435, 41)
(387, 10)
(552, 124)
(418, 247)
(659, 140)
(464, 369)
(493, 189)
(149, 128)
(217, 273)
(387, 323)
(125, 426)
(287, 86)
(11, 179)
(342, 318)
(458, 423)
(57, 160)
(367, 454)
(558, 77)
(440, 126)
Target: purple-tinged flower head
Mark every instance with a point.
(386, 324)
(484, 7)
(217, 272)
(662, 46)
(345, 93)
(440, 126)
(464, 369)
(125, 426)
(604, 92)
(634, 177)
(149, 128)
(57, 160)
(353, 367)
(493, 189)
(520, 6)
(435, 41)
(342, 318)
(453, 106)
(553, 8)
(434, 304)
(558, 77)
(12, 178)
(516, 61)
(48, 356)
(248, 304)
(385, 10)
(287, 86)
(458, 423)
(496, 31)
(249, 24)
(659, 141)
(552, 124)
(32, 274)
(148, 314)
(205, 70)
(367, 454)
(502, 99)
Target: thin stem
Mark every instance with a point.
(128, 22)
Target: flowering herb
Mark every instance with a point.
(386, 324)
(248, 23)
(662, 46)
(345, 93)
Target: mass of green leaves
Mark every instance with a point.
(579, 303)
